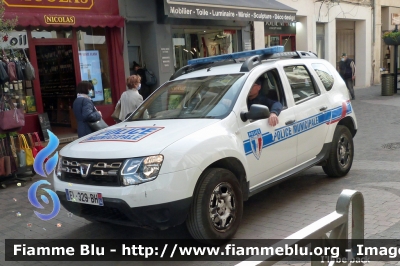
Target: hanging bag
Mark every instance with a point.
(37, 141)
(18, 68)
(2, 165)
(11, 117)
(151, 79)
(3, 73)
(7, 158)
(32, 145)
(10, 67)
(97, 125)
(21, 154)
(11, 71)
(29, 70)
(117, 112)
(38, 144)
(28, 152)
(11, 150)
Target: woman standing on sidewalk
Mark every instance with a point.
(84, 109)
(130, 99)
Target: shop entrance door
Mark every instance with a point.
(57, 82)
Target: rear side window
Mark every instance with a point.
(300, 82)
(324, 75)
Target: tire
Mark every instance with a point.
(214, 184)
(341, 154)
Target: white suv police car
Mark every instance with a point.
(194, 151)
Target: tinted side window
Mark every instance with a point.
(324, 75)
(300, 82)
(271, 86)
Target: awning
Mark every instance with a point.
(66, 20)
(261, 10)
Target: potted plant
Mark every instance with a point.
(391, 37)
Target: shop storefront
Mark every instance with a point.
(226, 26)
(280, 33)
(66, 42)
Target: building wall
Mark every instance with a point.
(138, 10)
(144, 30)
(381, 20)
(329, 13)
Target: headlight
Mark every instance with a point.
(59, 166)
(139, 170)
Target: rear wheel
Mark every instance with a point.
(217, 208)
(341, 154)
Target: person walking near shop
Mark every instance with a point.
(347, 69)
(144, 90)
(84, 109)
(130, 99)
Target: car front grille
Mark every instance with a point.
(91, 172)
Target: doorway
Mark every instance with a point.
(134, 54)
(289, 43)
(57, 82)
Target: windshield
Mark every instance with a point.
(200, 97)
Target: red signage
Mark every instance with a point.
(54, 4)
(62, 19)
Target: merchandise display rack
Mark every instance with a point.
(15, 176)
(14, 93)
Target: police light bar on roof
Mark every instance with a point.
(237, 55)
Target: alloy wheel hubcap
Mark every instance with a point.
(222, 206)
(344, 151)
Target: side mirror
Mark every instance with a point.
(257, 112)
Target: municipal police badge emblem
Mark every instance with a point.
(256, 142)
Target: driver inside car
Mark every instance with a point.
(255, 97)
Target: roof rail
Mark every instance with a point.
(254, 58)
(207, 62)
(237, 55)
(296, 54)
(189, 68)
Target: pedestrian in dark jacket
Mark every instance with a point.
(347, 69)
(84, 109)
(144, 90)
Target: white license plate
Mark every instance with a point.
(84, 197)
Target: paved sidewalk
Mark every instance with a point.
(274, 213)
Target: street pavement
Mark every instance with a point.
(272, 214)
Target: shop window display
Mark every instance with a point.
(14, 60)
(94, 65)
(57, 82)
(197, 43)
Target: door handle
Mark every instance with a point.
(323, 108)
(290, 122)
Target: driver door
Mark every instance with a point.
(270, 151)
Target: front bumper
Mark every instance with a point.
(117, 211)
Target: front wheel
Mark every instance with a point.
(217, 208)
(341, 154)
